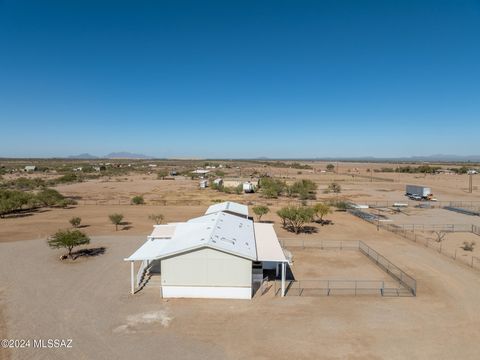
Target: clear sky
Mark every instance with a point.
(240, 78)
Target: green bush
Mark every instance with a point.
(304, 189)
(75, 221)
(294, 218)
(138, 200)
(116, 219)
(271, 188)
(260, 210)
(50, 197)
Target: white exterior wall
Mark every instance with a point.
(206, 273)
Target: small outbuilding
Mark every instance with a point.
(30, 168)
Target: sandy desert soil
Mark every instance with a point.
(88, 300)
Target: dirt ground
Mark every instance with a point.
(347, 264)
(88, 300)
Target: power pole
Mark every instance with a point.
(470, 183)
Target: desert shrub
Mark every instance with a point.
(24, 183)
(334, 187)
(294, 218)
(157, 218)
(12, 201)
(75, 221)
(271, 188)
(162, 174)
(304, 189)
(138, 200)
(116, 219)
(468, 245)
(68, 178)
(321, 209)
(340, 205)
(330, 167)
(260, 210)
(50, 197)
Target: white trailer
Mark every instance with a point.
(248, 187)
(422, 191)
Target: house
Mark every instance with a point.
(222, 254)
(203, 184)
(30, 168)
(218, 182)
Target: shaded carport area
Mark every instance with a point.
(270, 253)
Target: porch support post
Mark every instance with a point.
(284, 270)
(132, 277)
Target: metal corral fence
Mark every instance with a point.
(320, 244)
(411, 232)
(342, 287)
(462, 210)
(431, 204)
(185, 202)
(367, 178)
(403, 286)
(391, 269)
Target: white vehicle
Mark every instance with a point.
(421, 191)
(472, 172)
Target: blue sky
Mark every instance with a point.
(240, 78)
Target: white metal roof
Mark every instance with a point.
(228, 206)
(221, 231)
(268, 247)
(163, 231)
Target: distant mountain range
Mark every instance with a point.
(113, 155)
(429, 158)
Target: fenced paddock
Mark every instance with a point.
(394, 282)
(422, 233)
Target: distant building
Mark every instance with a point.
(203, 184)
(30, 168)
(200, 171)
